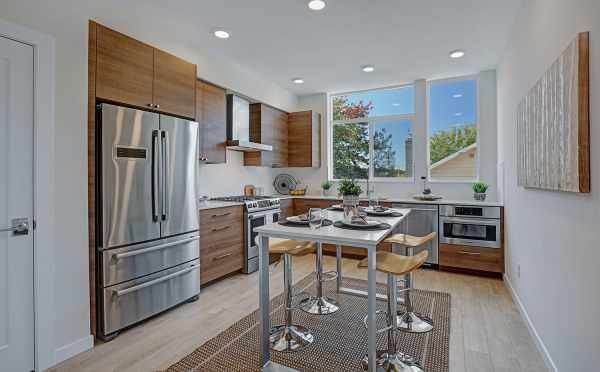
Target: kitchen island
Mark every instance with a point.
(366, 240)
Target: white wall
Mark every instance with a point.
(553, 236)
(67, 21)
(449, 190)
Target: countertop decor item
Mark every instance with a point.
(479, 190)
(553, 125)
(326, 186)
(283, 183)
(249, 190)
(426, 197)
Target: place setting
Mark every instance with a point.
(315, 218)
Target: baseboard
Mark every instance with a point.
(68, 351)
(536, 337)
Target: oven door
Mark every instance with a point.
(470, 231)
(254, 221)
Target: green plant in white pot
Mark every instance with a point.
(326, 186)
(480, 189)
(349, 190)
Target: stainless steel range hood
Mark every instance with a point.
(238, 126)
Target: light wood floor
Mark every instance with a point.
(487, 332)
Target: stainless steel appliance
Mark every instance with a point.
(238, 126)
(148, 241)
(470, 225)
(422, 220)
(258, 211)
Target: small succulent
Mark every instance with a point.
(349, 187)
(326, 185)
(480, 187)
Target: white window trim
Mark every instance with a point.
(477, 125)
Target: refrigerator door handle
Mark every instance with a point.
(155, 173)
(120, 256)
(125, 291)
(165, 173)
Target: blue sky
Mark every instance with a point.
(451, 104)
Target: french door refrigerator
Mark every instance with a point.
(147, 223)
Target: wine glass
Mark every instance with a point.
(315, 218)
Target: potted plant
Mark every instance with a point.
(326, 186)
(479, 189)
(349, 190)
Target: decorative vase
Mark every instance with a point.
(350, 203)
(479, 196)
(325, 192)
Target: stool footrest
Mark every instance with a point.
(328, 276)
(378, 331)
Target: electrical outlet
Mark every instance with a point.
(519, 271)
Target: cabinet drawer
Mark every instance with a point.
(217, 218)
(220, 260)
(473, 258)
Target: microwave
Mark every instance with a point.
(470, 225)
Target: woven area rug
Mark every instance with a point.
(340, 338)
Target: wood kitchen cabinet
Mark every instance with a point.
(221, 242)
(211, 115)
(304, 139)
(268, 126)
(454, 256)
(287, 208)
(136, 74)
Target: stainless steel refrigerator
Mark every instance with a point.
(147, 223)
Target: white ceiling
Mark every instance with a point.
(404, 39)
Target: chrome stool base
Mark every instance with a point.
(290, 338)
(319, 305)
(414, 322)
(396, 362)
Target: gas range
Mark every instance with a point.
(259, 211)
(253, 203)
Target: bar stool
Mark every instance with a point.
(289, 336)
(320, 304)
(393, 264)
(409, 320)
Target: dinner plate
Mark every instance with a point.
(337, 207)
(297, 220)
(385, 212)
(369, 224)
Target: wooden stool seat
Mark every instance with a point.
(396, 264)
(410, 240)
(291, 247)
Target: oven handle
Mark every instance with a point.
(471, 222)
(125, 291)
(120, 256)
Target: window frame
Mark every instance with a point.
(429, 83)
(371, 121)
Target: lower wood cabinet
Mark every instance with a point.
(287, 208)
(471, 258)
(221, 242)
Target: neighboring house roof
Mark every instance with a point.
(454, 156)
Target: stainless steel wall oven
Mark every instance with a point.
(470, 225)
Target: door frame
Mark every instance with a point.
(43, 187)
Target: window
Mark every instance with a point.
(452, 133)
(372, 134)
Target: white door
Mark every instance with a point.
(16, 201)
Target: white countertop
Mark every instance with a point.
(334, 235)
(401, 200)
(212, 204)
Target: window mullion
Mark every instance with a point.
(371, 150)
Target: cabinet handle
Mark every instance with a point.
(157, 106)
(222, 256)
(470, 253)
(220, 228)
(221, 215)
(150, 105)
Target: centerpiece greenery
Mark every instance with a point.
(349, 188)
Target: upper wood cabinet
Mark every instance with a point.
(133, 73)
(304, 139)
(211, 115)
(268, 126)
(174, 85)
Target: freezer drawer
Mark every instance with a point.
(130, 302)
(422, 220)
(123, 264)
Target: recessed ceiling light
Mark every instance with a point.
(458, 114)
(298, 81)
(316, 4)
(457, 53)
(368, 68)
(457, 95)
(221, 34)
(395, 104)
